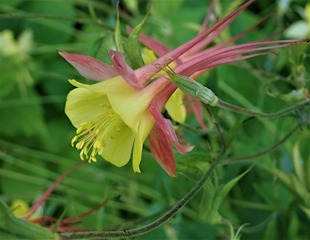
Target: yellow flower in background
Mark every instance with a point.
(300, 29)
(15, 59)
(19, 207)
(9, 46)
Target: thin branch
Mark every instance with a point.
(281, 113)
(151, 226)
(39, 15)
(261, 153)
(220, 133)
(54, 17)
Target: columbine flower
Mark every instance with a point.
(300, 29)
(14, 57)
(111, 117)
(10, 47)
(115, 116)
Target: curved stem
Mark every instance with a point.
(151, 226)
(221, 136)
(261, 153)
(281, 113)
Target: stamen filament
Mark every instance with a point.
(92, 135)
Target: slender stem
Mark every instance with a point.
(261, 153)
(151, 226)
(281, 113)
(218, 128)
(42, 16)
(56, 17)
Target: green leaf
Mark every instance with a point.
(213, 215)
(16, 228)
(293, 227)
(298, 161)
(118, 36)
(132, 5)
(291, 182)
(305, 210)
(271, 232)
(133, 46)
(207, 201)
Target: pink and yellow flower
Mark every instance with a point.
(112, 117)
(115, 116)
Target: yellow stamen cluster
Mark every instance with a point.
(91, 137)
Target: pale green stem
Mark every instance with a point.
(281, 113)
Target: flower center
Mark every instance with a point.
(91, 137)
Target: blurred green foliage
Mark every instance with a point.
(271, 193)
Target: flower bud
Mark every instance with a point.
(192, 87)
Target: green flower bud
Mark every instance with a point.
(192, 87)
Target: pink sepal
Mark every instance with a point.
(179, 51)
(161, 149)
(166, 126)
(89, 67)
(120, 65)
(161, 139)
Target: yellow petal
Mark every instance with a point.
(131, 105)
(119, 146)
(145, 126)
(8, 44)
(110, 118)
(19, 207)
(84, 105)
(112, 85)
(307, 13)
(175, 106)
